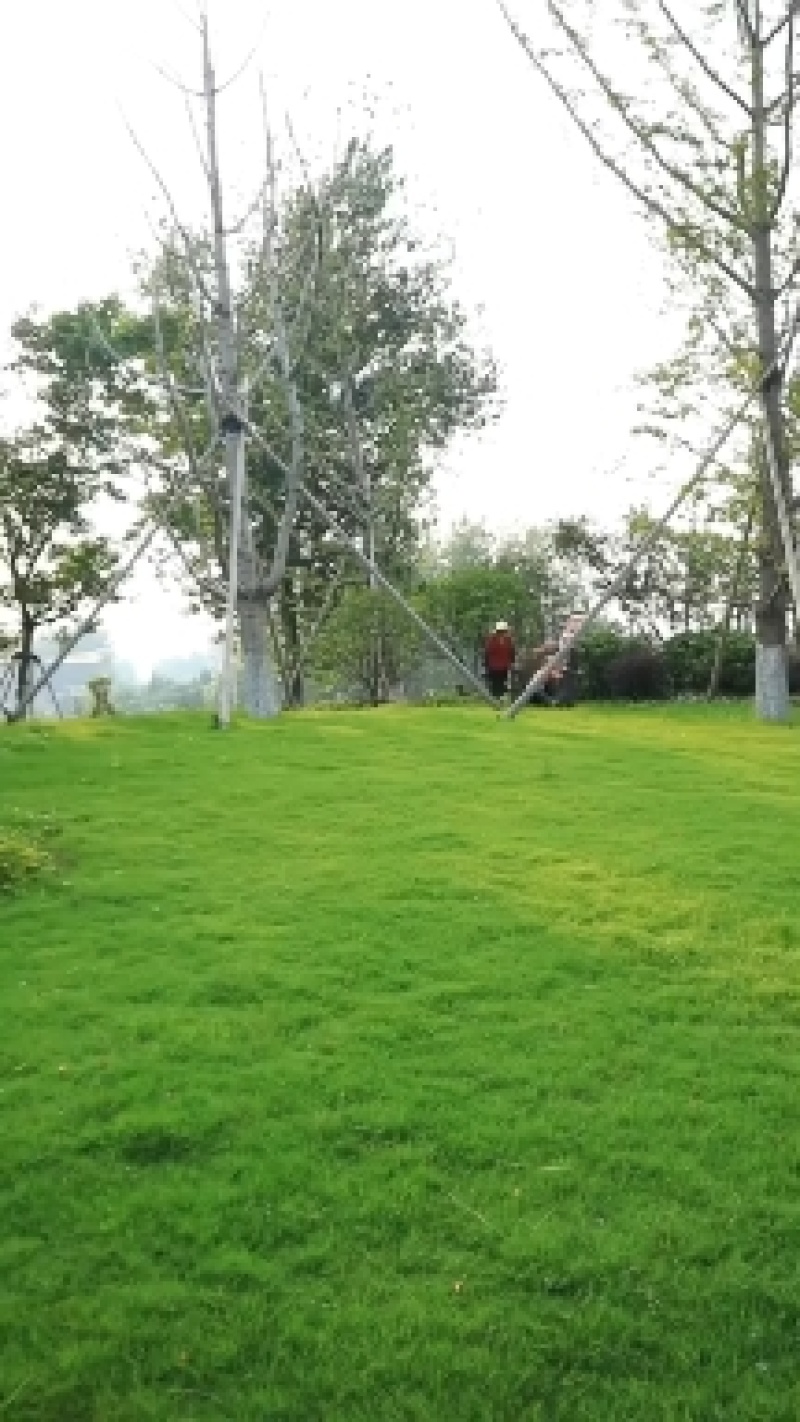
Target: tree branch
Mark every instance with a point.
(196, 136)
(270, 583)
(787, 125)
(773, 104)
(789, 280)
(179, 413)
(791, 11)
(652, 204)
(678, 175)
(211, 588)
(177, 83)
(700, 59)
(185, 235)
(745, 25)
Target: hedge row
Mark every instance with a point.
(615, 667)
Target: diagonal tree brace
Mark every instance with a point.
(372, 568)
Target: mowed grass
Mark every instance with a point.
(403, 1065)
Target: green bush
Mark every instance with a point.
(613, 666)
(596, 653)
(20, 859)
(690, 659)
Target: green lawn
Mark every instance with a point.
(403, 1065)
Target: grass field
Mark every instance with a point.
(403, 1065)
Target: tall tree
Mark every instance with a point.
(382, 370)
(343, 653)
(700, 131)
(386, 377)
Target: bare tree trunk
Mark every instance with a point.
(235, 463)
(772, 686)
(261, 694)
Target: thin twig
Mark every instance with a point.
(335, 526)
(700, 59)
(651, 203)
(678, 175)
(787, 19)
(196, 136)
(185, 235)
(294, 475)
(787, 126)
(177, 83)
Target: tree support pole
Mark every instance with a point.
(559, 659)
(758, 391)
(787, 537)
(234, 439)
(375, 572)
(380, 578)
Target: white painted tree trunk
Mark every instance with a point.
(261, 687)
(235, 463)
(772, 683)
(772, 692)
(261, 694)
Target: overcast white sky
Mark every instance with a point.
(563, 269)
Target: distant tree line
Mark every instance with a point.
(684, 624)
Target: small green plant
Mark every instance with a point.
(21, 859)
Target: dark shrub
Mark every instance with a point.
(689, 657)
(739, 665)
(680, 666)
(639, 674)
(595, 654)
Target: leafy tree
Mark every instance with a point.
(386, 378)
(463, 605)
(555, 568)
(469, 545)
(343, 654)
(697, 123)
(683, 583)
(381, 365)
(50, 563)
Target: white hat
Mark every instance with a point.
(501, 626)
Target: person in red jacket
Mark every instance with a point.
(499, 654)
